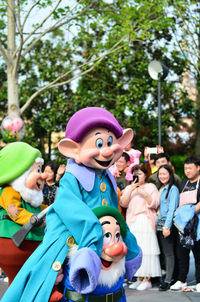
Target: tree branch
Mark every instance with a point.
(20, 29)
(88, 70)
(5, 55)
(187, 26)
(52, 28)
(55, 82)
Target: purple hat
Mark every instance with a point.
(86, 119)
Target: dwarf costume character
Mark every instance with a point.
(94, 140)
(111, 278)
(20, 198)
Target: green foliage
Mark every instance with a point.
(178, 164)
(133, 33)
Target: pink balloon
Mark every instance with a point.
(17, 124)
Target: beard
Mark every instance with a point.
(33, 197)
(110, 277)
(106, 277)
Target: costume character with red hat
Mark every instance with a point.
(111, 277)
(21, 197)
(93, 141)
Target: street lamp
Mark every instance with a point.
(158, 71)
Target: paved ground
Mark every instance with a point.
(3, 287)
(152, 295)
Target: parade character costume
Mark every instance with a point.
(20, 198)
(94, 141)
(111, 278)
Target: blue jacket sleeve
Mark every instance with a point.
(173, 204)
(76, 215)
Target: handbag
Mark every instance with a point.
(159, 225)
(189, 197)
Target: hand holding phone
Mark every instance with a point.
(152, 150)
(135, 178)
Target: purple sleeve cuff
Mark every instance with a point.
(84, 270)
(133, 265)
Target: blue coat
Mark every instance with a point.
(100, 290)
(69, 220)
(183, 215)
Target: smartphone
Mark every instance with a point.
(152, 150)
(135, 177)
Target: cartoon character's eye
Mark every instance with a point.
(110, 141)
(117, 237)
(39, 169)
(107, 237)
(99, 143)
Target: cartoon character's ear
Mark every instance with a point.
(69, 148)
(126, 138)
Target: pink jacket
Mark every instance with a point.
(138, 204)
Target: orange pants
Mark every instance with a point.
(12, 258)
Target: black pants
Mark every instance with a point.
(183, 257)
(167, 245)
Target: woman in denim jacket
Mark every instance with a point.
(169, 200)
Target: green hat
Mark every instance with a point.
(15, 159)
(111, 211)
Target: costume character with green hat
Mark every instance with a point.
(21, 181)
(113, 270)
(93, 141)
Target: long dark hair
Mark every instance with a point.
(54, 167)
(171, 178)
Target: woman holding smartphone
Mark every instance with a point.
(142, 200)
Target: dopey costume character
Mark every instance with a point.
(111, 277)
(21, 197)
(94, 140)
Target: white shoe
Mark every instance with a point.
(5, 279)
(198, 287)
(178, 285)
(135, 284)
(144, 285)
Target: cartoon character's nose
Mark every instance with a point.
(107, 152)
(116, 249)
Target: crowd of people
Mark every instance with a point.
(150, 196)
(162, 211)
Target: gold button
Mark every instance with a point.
(103, 187)
(104, 202)
(56, 266)
(70, 241)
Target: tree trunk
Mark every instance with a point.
(13, 99)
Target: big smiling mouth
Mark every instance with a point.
(103, 163)
(38, 185)
(106, 263)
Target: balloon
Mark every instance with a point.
(12, 129)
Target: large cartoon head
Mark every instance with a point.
(94, 138)
(15, 159)
(114, 250)
(21, 167)
(114, 229)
